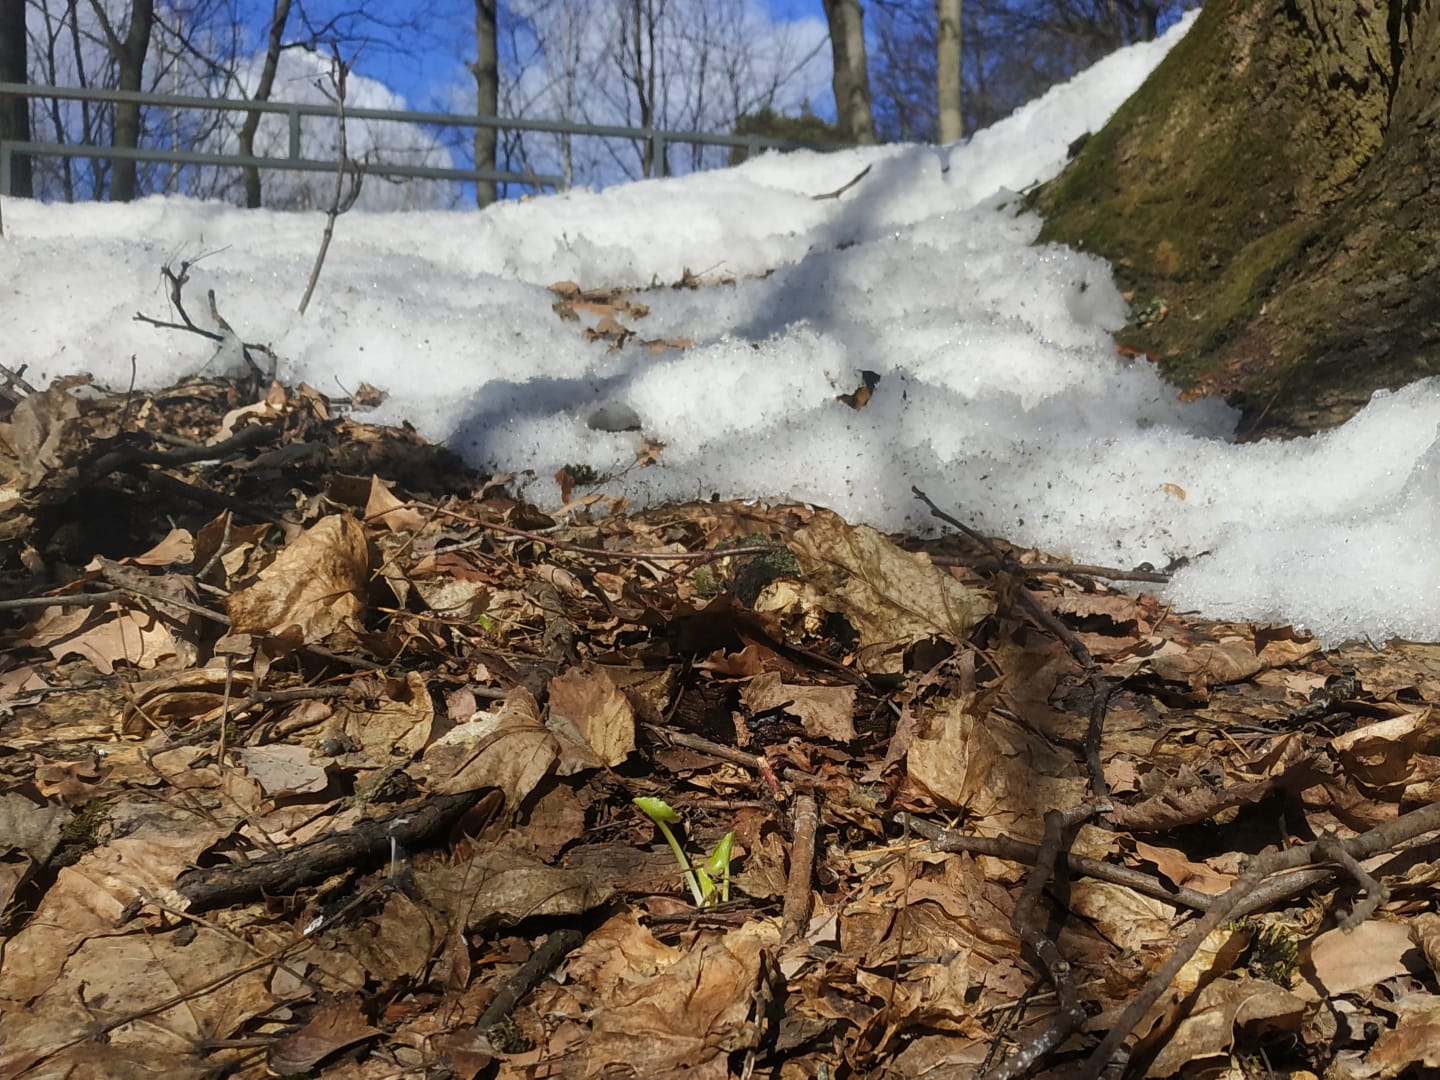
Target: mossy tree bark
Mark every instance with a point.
(1277, 182)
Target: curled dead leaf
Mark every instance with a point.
(891, 597)
(317, 582)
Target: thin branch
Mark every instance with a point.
(796, 912)
(342, 201)
(542, 961)
(1037, 611)
(1381, 838)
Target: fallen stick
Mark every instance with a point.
(368, 843)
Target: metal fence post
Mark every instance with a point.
(294, 115)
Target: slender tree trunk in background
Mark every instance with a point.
(279, 16)
(851, 81)
(486, 70)
(1149, 19)
(638, 61)
(129, 53)
(948, 70)
(1274, 182)
(15, 111)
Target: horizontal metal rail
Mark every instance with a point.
(193, 157)
(294, 110)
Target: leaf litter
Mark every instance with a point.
(319, 752)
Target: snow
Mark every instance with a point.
(1001, 393)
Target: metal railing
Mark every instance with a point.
(658, 140)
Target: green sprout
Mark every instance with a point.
(701, 879)
(705, 583)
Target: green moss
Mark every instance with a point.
(82, 832)
(581, 474)
(1274, 953)
(1216, 185)
(706, 584)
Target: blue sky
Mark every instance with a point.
(421, 64)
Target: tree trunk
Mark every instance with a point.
(129, 53)
(947, 71)
(1274, 181)
(279, 16)
(15, 111)
(486, 70)
(852, 77)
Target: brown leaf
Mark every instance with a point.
(334, 1026)
(30, 827)
(1342, 962)
(592, 719)
(187, 697)
(1182, 872)
(690, 1016)
(177, 547)
(825, 712)
(1208, 663)
(1385, 755)
(892, 598)
(383, 508)
(283, 769)
(88, 898)
(966, 756)
(1414, 1040)
(505, 883)
(43, 432)
(508, 749)
(317, 582)
(107, 636)
(399, 722)
(1232, 1001)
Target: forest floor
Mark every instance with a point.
(319, 756)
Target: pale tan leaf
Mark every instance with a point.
(825, 712)
(1341, 962)
(1232, 1001)
(508, 749)
(317, 582)
(383, 508)
(592, 718)
(891, 597)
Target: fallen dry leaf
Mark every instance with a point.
(317, 582)
(690, 1016)
(592, 719)
(508, 749)
(825, 712)
(891, 597)
(1342, 962)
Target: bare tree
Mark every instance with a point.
(903, 79)
(274, 42)
(640, 66)
(129, 55)
(846, 19)
(15, 111)
(486, 69)
(948, 71)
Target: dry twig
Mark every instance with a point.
(1384, 837)
(343, 200)
(796, 912)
